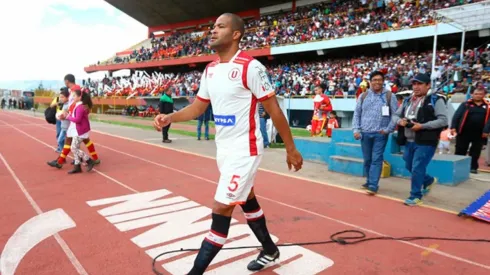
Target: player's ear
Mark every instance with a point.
(237, 35)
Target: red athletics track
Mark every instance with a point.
(297, 211)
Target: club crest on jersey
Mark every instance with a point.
(234, 74)
(224, 120)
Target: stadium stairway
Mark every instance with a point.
(343, 154)
(346, 154)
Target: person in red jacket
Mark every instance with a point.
(321, 107)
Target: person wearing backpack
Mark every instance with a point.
(372, 125)
(421, 119)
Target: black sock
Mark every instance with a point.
(212, 244)
(256, 220)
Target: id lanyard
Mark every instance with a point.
(412, 113)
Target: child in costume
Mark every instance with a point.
(321, 107)
(445, 141)
(79, 129)
(58, 163)
(332, 123)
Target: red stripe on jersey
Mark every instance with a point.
(203, 99)
(245, 61)
(251, 134)
(244, 75)
(212, 64)
(271, 94)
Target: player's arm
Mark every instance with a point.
(262, 89)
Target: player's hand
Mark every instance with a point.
(357, 136)
(161, 121)
(295, 159)
(453, 132)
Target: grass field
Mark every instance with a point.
(297, 132)
(148, 127)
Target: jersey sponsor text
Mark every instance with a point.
(221, 120)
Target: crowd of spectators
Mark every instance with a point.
(144, 84)
(321, 21)
(342, 77)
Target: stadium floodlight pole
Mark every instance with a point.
(434, 53)
(461, 55)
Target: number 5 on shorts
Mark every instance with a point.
(233, 183)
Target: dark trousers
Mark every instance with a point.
(417, 157)
(462, 144)
(165, 132)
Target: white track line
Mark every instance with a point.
(71, 256)
(22, 124)
(435, 251)
(95, 170)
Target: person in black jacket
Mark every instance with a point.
(421, 119)
(166, 106)
(471, 124)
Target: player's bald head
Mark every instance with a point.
(237, 23)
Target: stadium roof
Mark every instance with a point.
(163, 12)
(467, 17)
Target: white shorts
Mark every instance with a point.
(237, 178)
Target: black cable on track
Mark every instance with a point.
(351, 237)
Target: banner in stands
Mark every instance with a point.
(194, 35)
(480, 208)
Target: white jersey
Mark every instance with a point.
(234, 89)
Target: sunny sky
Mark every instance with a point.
(46, 39)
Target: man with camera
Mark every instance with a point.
(421, 119)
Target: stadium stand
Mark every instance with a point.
(321, 21)
(343, 77)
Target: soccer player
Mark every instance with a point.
(234, 84)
